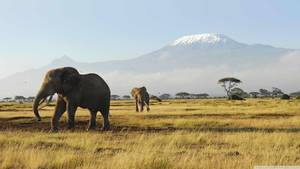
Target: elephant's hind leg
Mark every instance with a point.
(136, 105)
(142, 104)
(105, 113)
(92, 122)
(147, 104)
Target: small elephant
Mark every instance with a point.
(74, 90)
(141, 97)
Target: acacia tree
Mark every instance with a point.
(228, 83)
(6, 99)
(115, 97)
(182, 95)
(30, 99)
(200, 95)
(165, 96)
(265, 92)
(254, 94)
(152, 97)
(20, 98)
(126, 97)
(276, 92)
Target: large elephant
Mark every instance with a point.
(74, 90)
(141, 97)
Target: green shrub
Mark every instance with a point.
(297, 97)
(235, 97)
(285, 97)
(155, 98)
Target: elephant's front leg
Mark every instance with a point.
(71, 116)
(136, 105)
(92, 122)
(142, 104)
(147, 104)
(59, 110)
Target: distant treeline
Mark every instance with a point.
(261, 93)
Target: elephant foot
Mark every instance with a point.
(91, 129)
(105, 128)
(71, 129)
(53, 130)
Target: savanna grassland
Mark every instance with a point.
(208, 133)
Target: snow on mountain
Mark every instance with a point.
(201, 38)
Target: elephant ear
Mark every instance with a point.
(69, 79)
(143, 89)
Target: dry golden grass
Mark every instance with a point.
(211, 133)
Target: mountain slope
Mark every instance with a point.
(188, 52)
(197, 51)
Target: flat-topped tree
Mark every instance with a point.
(228, 83)
(276, 92)
(165, 96)
(6, 99)
(254, 94)
(126, 97)
(20, 98)
(30, 98)
(265, 92)
(115, 97)
(200, 95)
(182, 95)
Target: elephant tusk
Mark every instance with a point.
(42, 101)
(48, 102)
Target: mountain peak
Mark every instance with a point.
(206, 38)
(63, 60)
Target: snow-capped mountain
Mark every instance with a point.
(203, 39)
(164, 66)
(209, 49)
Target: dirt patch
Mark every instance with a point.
(14, 110)
(234, 153)
(53, 145)
(190, 109)
(109, 149)
(272, 115)
(179, 116)
(15, 118)
(81, 124)
(236, 115)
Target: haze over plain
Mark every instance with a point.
(35, 33)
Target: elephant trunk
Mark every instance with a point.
(40, 97)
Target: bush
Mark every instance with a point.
(297, 97)
(155, 98)
(285, 97)
(235, 97)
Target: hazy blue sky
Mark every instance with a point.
(34, 32)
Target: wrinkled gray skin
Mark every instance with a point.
(74, 90)
(141, 97)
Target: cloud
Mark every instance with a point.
(282, 74)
